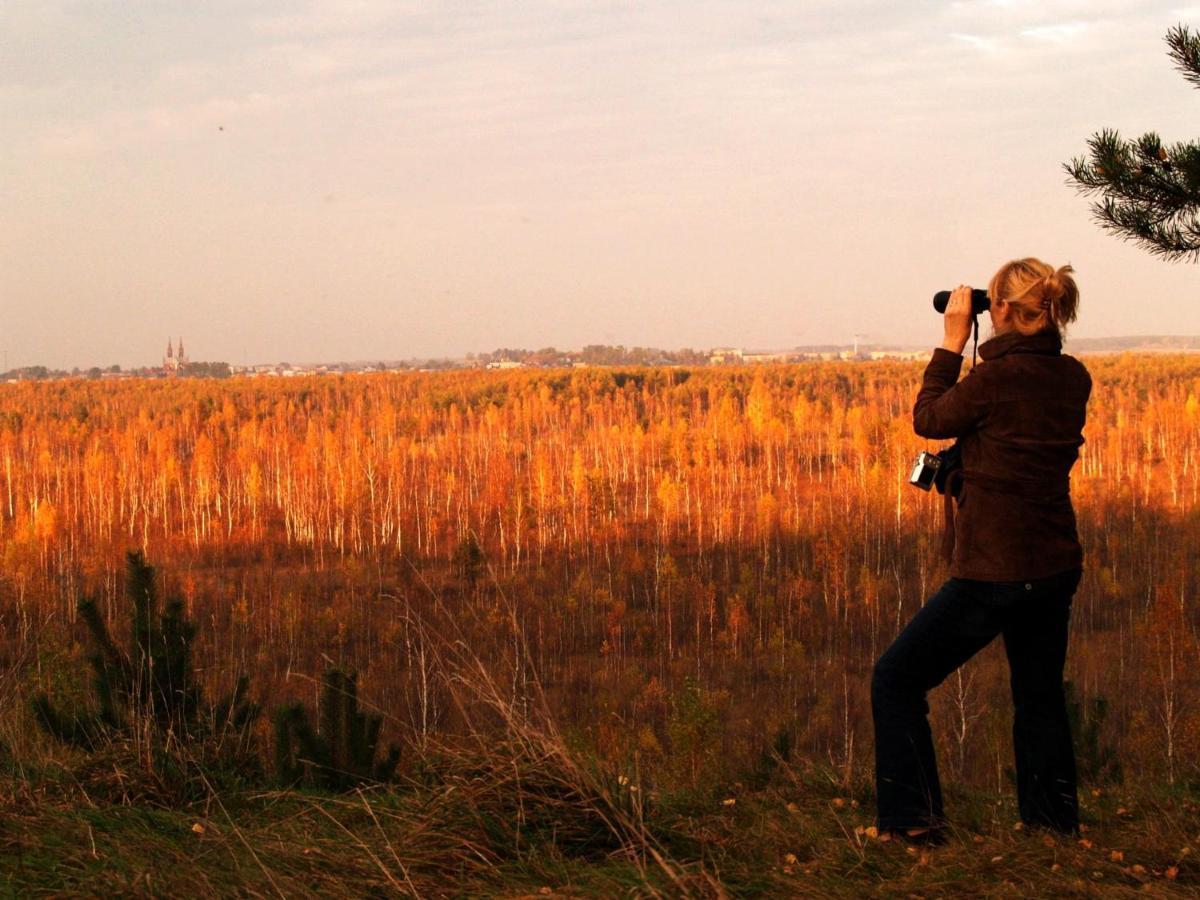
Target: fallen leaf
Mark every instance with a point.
(872, 832)
(728, 801)
(997, 859)
(1171, 873)
(1085, 843)
(1116, 856)
(1138, 869)
(839, 802)
(198, 828)
(791, 859)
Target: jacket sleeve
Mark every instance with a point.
(944, 408)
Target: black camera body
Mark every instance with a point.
(979, 301)
(931, 470)
(925, 470)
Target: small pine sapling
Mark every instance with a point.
(153, 683)
(340, 753)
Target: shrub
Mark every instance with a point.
(150, 691)
(340, 753)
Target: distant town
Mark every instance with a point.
(176, 363)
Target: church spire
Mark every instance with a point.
(170, 351)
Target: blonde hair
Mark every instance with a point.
(1042, 298)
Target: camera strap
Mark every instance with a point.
(953, 480)
(975, 341)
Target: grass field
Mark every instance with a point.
(802, 841)
(530, 819)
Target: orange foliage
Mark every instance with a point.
(654, 523)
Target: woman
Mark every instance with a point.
(1016, 558)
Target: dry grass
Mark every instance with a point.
(509, 808)
(484, 832)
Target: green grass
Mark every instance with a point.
(477, 834)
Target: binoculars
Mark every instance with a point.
(979, 301)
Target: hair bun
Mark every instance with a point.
(1054, 286)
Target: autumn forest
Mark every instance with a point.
(690, 565)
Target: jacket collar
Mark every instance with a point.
(1044, 342)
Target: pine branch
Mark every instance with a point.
(1167, 240)
(1185, 51)
(1147, 193)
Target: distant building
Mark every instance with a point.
(899, 354)
(766, 357)
(721, 355)
(175, 361)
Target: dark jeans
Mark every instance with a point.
(957, 622)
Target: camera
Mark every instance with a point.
(930, 470)
(979, 301)
(925, 470)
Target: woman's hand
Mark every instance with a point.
(957, 320)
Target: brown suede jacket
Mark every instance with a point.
(1019, 417)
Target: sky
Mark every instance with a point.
(360, 180)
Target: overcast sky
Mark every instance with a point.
(353, 179)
